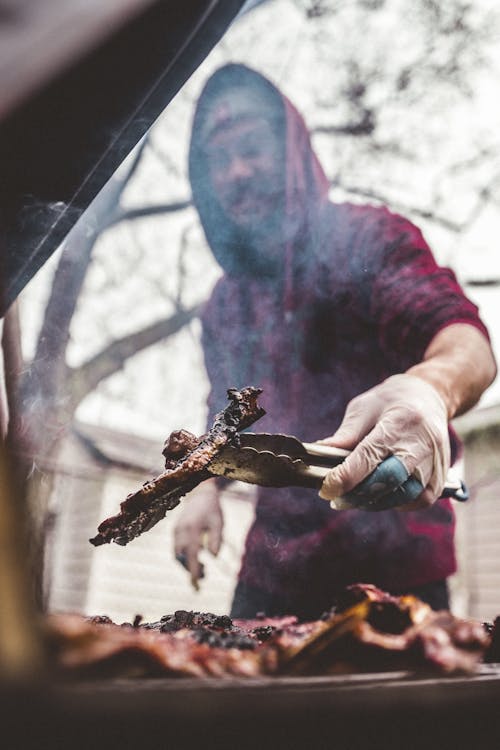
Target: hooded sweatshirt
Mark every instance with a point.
(358, 297)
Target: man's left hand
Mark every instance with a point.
(404, 417)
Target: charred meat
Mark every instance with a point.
(186, 461)
(493, 630)
(377, 632)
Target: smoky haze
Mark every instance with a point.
(407, 121)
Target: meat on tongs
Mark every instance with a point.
(187, 459)
(269, 460)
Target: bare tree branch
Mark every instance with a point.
(493, 281)
(484, 154)
(422, 213)
(181, 268)
(49, 369)
(84, 379)
(168, 163)
(73, 265)
(484, 197)
(141, 212)
(137, 158)
(364, 126)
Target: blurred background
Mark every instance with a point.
(401, 98)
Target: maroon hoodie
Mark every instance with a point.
(359, 297)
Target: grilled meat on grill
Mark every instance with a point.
(84, 648)
(493, 652)
(378, 632)
(187, 458)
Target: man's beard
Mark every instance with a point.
(261, 249)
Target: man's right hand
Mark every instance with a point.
(199, 526)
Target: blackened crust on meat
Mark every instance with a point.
(142, 510)
(178, 444)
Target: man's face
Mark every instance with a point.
(246, 171)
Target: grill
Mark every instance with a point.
(386, 710)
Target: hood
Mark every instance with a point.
(305, 184)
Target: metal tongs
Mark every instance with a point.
(274, 460)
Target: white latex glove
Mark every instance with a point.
(404, 416)
(198, 527)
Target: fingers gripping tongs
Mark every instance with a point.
(273, 460)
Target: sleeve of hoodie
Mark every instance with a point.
(412, 298)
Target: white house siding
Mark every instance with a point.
(143, 577)
(76, 510)
(479, 529)
(70, 554)
(481, 551)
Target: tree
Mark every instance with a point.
(407, 104)
(51, 389)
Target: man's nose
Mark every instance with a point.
(239, 168)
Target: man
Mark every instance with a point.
(341, 315)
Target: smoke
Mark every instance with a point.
(37, 219)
